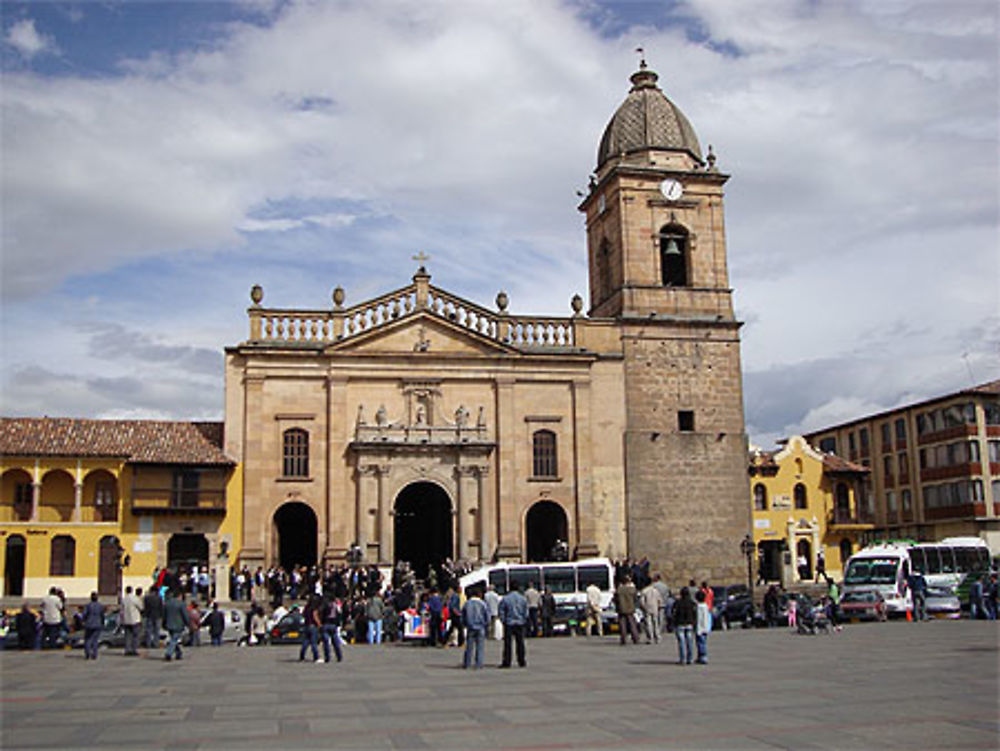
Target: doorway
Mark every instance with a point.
(13, 572)
(769, 561)
(423, 527)
(107, 567)
(296, 530)
(545, 525)
(187, 550)
(803, 560)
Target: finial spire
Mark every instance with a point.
(421, 258)
(642, 57)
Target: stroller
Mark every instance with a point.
(812, 618)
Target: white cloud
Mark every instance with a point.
(24, 37)
(861, 216)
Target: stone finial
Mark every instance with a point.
(502, 301)
(710, 158)
(256, 294)
(576, 303)
(338, 297)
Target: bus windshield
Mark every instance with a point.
(872, 571)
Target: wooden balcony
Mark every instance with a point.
(169, 501)
(845, 519)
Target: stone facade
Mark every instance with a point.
(641, 398)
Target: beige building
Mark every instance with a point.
(935, 465)
(421, 425)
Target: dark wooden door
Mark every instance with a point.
(107, 572)
(13, 572)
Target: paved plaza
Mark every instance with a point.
(896, 685)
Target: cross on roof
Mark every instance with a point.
(421, 257)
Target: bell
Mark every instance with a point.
(672, 249)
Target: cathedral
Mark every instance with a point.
(421, 426)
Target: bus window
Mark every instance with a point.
(498, 580)
(598, 575)
(947, 561)
(918, 559)
(872, 571)
(965, 560)
(559, 579)
(982, 559)
(524, 576)
(933, 560)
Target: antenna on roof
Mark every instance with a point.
(642, 57)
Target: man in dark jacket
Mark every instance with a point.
(625, 597)
(216, 622)
(685, 617)
(26, 625)
(93, 622)
(152, 617)
(176, 622)
(514, 616)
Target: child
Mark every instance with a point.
(702, 628)
(792, 613)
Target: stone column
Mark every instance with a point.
(367, 497)
(507, 434)
(789, 571)
(816, 543)
(585, 517)
(384, 517)
(483, 515)
(467, 497)
(254, 487)
(337, 528)
(78, 492)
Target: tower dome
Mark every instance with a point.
(647, 120)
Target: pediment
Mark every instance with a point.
(422, 333)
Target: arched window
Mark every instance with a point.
(800, 495)
(544, 454)
(673, 256)
(604, 270)
(63, 556)
(296, 453)
(759, 497)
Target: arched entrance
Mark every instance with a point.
(423, 526)
(187, 550)
(13, 570)
(296, 531)
(803, 559)
(769, 560)
(544, 525)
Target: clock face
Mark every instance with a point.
(671, 189)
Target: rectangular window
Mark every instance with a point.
(886, 437)
(863, 436)
(850, 443)
(900, 430)
(544, 459)
(560, 580)
(185, 490)
(904, 467)
(992, 410)
(828, 445)
(973, 452)
(994, 449)
(921, 423)
(887, 468)
(918, 559)
(970, 413)
(685, 421)
(295, 453)
(890, 502)
(996, 490)
(598, 575)
(933, 557)
(63, 558)
(907, 500)
(498, 580)
(525, 575)
(923, 459)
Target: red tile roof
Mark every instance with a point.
(139, 441)
(834, 464)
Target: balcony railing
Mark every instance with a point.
(171, 501)
(847, 517)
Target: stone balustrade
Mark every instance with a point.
(269, 325)
(421, 434)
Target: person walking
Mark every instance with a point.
(175, 621)
(685, 617)
(310, 629)
(131, 614)
(593, 610)
(651, 603)
(625, 597)
(702, 628)
(434, 606)
(476, 619)
(330, 630)
(93, 623)
(514, 616)
(152, 617)
(52, 618)
(534, 599)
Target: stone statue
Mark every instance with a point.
(381, 417)
(361, 415)
(481, 418)
(461, 416)
(421, 415)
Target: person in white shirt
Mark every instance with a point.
(52, 618)
(131, 614)
(593, 610)
(492, 600)
(702, 628)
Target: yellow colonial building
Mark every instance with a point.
(805, 502)
(93, 505)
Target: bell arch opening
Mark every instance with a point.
(296, 532)
(423, 527)
(546, 530)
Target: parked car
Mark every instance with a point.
(235, 628)
(942, 602)
(288, 630)
(569, 618)
(863, 606)
(732, 606)
(112, 634)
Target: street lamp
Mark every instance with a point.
(748, 547)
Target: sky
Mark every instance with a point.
(158, 159)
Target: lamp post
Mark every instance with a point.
(748, 547)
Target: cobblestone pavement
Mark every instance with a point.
(896, 685)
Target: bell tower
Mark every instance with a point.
(657, 260)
